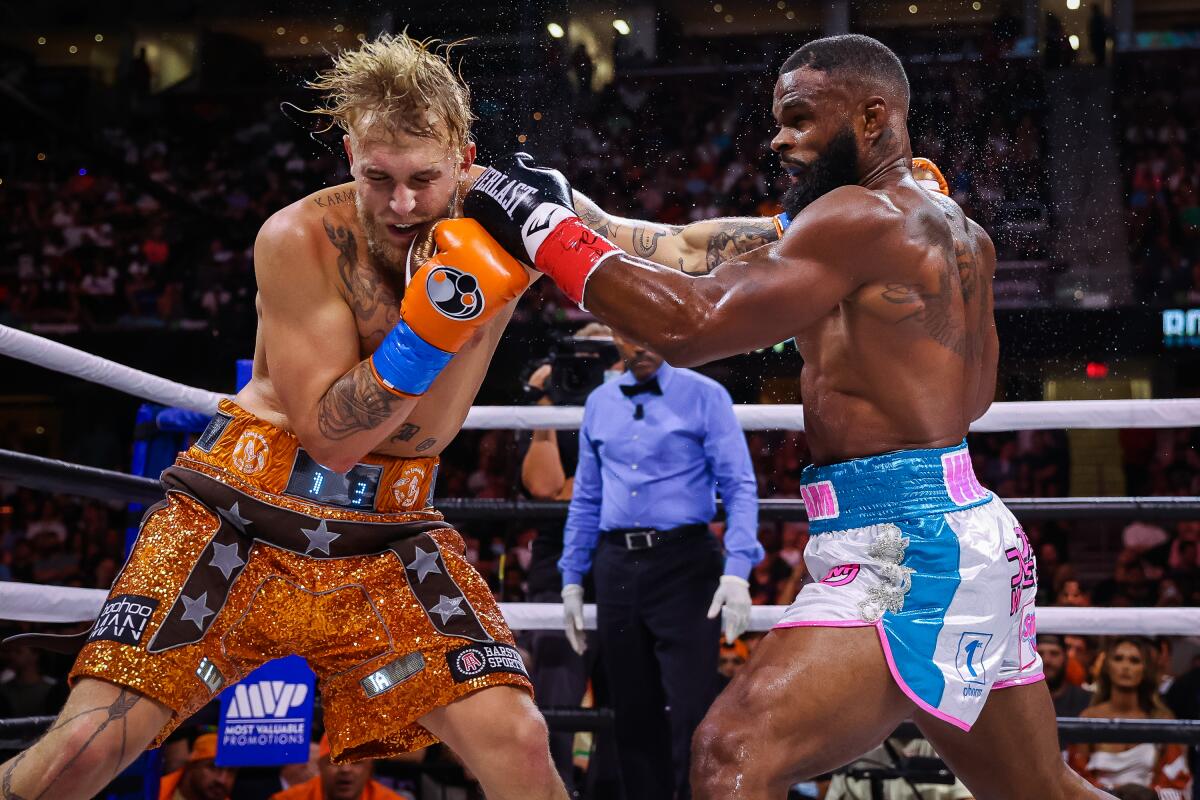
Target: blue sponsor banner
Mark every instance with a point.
(266, 719)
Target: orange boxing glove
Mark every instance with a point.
(468, 281)
(928, 175)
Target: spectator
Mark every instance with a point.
(1069, 700)
(339, 782)
(733, 657)
(1127, 688)
(25, 691)
(200, 778)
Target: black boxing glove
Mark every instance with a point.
(529, 211)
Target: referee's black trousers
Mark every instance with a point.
(660, 654)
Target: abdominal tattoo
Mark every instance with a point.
(117, 711)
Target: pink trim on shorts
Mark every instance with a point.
(887, 654)
(1020, 680)
(921, 704)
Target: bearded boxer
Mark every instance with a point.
(924, 605)
(300, 521)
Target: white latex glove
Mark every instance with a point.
(732, 601)
(572, 595)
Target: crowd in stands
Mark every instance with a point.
(1157, 106)
(153, 226)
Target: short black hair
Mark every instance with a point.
(860, 57)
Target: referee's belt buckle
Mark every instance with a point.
(640, 540)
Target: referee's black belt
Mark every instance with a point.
(646, 538)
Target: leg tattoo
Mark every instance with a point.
(117, 711)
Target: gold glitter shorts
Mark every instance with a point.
(229, 572)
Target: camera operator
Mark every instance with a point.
(577, 366)
(654, 447)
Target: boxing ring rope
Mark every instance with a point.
(69, 605)
(1011, 416)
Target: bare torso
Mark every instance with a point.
(373, 293)
(907, 360)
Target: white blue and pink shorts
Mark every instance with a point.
(911, 544)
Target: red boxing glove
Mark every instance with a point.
(570, 254)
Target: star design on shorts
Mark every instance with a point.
(234, 517)
(196, 609)
(424, 563)
(226, 558)
(319, 538)
(448, 607)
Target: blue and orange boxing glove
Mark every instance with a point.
(467, 281)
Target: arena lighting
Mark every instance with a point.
(99, 37)
(912, 9)
(1072, 5)
(72, 49)
(621, 26)
(977, 6)
(1097, 370)
(555, 30)
(41, 40)
(1074, 40)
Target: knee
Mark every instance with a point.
(722, 749)
(527, 743)
(81, 752)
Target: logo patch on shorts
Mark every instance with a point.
(208, 673)
(394, 673)
(972, 648)
(123, 619)
(959, 476)
(477, 660)
(454, 293)
(820, 500)
(216, 426)
(841, 575)
(250, 453)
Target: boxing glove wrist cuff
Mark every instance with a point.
(406, 364)
(782, 220)
(570, 254)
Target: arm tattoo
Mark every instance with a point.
(407, 432)
(425, 445)
(645, 239)
(115, 712)
(736, 237)
(354, 404)
(594, 217)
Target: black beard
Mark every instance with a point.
(837, 166)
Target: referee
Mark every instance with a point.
(653, 447)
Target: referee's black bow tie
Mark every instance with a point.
(650, 386)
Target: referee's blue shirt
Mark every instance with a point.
(661, 471)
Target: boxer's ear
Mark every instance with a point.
(875, 119)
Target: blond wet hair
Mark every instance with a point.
(397, 84)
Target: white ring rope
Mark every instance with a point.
(62, 358)
(1036, 415)
(28, 602)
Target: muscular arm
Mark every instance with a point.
(332, 401)
(752, 301)
(697, 249)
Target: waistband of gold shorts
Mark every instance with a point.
(253, 452)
